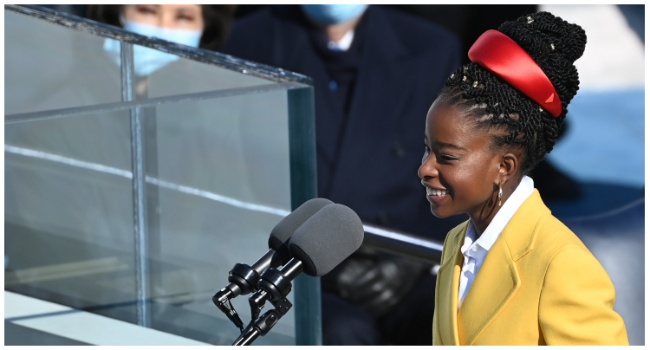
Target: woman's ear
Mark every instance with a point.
(508, 167)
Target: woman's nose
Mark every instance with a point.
(428, 168)
(166, 20)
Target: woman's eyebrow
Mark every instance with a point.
(450, 145)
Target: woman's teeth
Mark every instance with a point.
(434, 192)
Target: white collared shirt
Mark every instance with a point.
(475, 250)
(343, 44)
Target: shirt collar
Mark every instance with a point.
(343, 44)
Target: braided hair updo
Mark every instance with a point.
(495, 105)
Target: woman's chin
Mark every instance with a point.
(440, 214)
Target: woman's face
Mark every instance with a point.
(188, 17)
(459, 168)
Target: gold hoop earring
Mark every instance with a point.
(500, 195)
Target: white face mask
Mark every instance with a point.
(147, 60)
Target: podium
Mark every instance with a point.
(131, 197)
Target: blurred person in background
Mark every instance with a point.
(205, 26)
(201, 26)
(375, 71)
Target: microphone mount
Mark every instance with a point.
(240, 278)
(222, 301)
(260, 327)
(274, 286)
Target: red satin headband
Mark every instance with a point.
(502, 56)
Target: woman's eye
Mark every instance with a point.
(447, 157)
(146, 10)
(186, 18)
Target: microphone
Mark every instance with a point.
(318, 246)
(243, 278)
(326, 239)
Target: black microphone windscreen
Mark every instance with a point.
(287, 226)
(326, 239)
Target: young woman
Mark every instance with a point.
(512, 274)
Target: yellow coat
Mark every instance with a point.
(539, 284)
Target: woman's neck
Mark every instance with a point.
(336, 32)
(482, 220)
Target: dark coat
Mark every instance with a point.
(372, 167)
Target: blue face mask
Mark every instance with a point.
(333, 14)
(147, 60)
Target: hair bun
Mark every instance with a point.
(543, 33)
(554, 44)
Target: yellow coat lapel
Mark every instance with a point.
(498, 279)
(494, 284)
(445, 315)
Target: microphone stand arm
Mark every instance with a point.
(260, 327)
(264, 323)
(274, 285)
